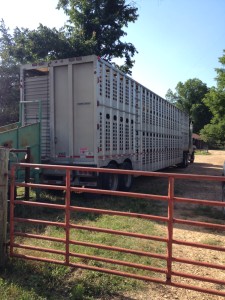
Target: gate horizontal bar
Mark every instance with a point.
(199, 245)
(113, 248)
(201, 224)
(43, 186)
(40, 237)
(119, 273)
(42, 222)
(40, 204)
(119, 193)
(118, 213)
(198, 263)
(119, 262)
(41, 249)
(197, 277)
(125, 233)
(201, 202)
(120, 171)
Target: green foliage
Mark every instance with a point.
(189, 98)
(78, 292)
(95, 27)
(40, 44)
(215, 100)
(221, 73)
(214, 132)
(9, 94)
(206, 107)
(100, 23)
(27, 46)
(9, 80)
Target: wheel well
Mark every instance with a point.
(128, 161)
(113, 162)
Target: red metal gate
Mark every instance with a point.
(164, 272)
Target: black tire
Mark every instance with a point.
(192, 159)
(125, 181)
(110, 181)
(184, 163)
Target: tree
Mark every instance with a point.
(220, 78)
(95, 27)
(9, 94)
(26, 46)
(100, 24)
(9, 80)
(189, 98)
(214, 132)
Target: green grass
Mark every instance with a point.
(202, 152)
(212, 242)
(37, 280)
(209, 212)
(28, 280)
(24, 279)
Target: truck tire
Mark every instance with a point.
(184, 163)
(110, 181)
(125, 181)
(192, 159)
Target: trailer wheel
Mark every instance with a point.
(110, 181)
(192, 159)
(125, 181)
(184, 163)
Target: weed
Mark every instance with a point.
(101, 285)
(77, 292)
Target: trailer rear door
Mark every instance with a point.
(74, 116)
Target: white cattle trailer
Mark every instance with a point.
(92, 114)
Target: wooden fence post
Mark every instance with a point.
(4, 159)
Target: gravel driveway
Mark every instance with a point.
(204, 165)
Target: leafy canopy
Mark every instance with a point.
(100, 24)
(189, 97)
(9, 80)
(214, 132)
(94, 27)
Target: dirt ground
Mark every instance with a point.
(204, 165)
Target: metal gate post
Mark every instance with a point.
(4, 160)
(27, 174)
(170, 228)
(67, 217)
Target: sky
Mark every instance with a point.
(176, 40)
